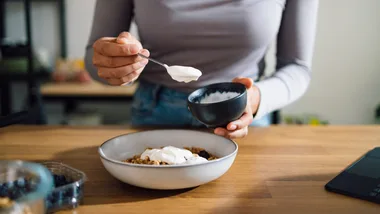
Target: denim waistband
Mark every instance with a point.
(160, 91)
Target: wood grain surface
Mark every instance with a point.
(277, 170)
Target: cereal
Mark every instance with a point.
(195, 150)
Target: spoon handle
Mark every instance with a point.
(153, 60)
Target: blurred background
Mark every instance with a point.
(42, 70)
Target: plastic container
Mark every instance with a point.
(23, 187)
(69, 185)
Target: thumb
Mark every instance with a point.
(248, 82)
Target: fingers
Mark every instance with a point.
(248, 82)
(133, 79)
(114, 81)
(125, 80)
(236, 129)
(107, 47)
(117, 60)
(240, 133)
(100, 60)
(121, 72)
(113, 62)
(242, 122)
(131, 76)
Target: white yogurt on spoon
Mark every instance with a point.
(183, 73)
(179, 73)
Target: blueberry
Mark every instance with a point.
(49, 205)
(52, 199)
(57, 196)
(9, 184)
(3, 190)
(15, 193)
(64, 180)
(31, 185)
(55, 180)
(59, 180)
(204, 154)
(61, 201)
(20, 182)
(69, 193)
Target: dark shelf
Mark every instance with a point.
(41, 74)
(32, 74)
(32, 0)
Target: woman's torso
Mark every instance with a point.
(222, 38)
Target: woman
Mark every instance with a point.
(226, 39)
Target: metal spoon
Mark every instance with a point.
(176, 77)
(153, 60)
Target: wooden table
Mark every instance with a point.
(277, 170)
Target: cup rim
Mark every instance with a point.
(104, 157)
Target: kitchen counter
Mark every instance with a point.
(281, 169)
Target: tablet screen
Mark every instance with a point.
(367, 166)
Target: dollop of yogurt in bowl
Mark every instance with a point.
(183, 73)
(195, 159)
(173, 156)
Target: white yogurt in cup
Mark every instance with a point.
(218, 97)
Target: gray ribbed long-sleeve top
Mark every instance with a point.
(222, 38)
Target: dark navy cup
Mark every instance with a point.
(218, 114)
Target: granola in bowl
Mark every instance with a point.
(170, 155)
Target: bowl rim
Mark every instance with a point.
(214, 84)
(104, 157)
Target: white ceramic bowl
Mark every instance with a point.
(113, 151)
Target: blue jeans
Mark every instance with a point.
(155, 105)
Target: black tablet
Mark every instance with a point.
(361, 179)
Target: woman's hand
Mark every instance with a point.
(239, 128)
(116, 58)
